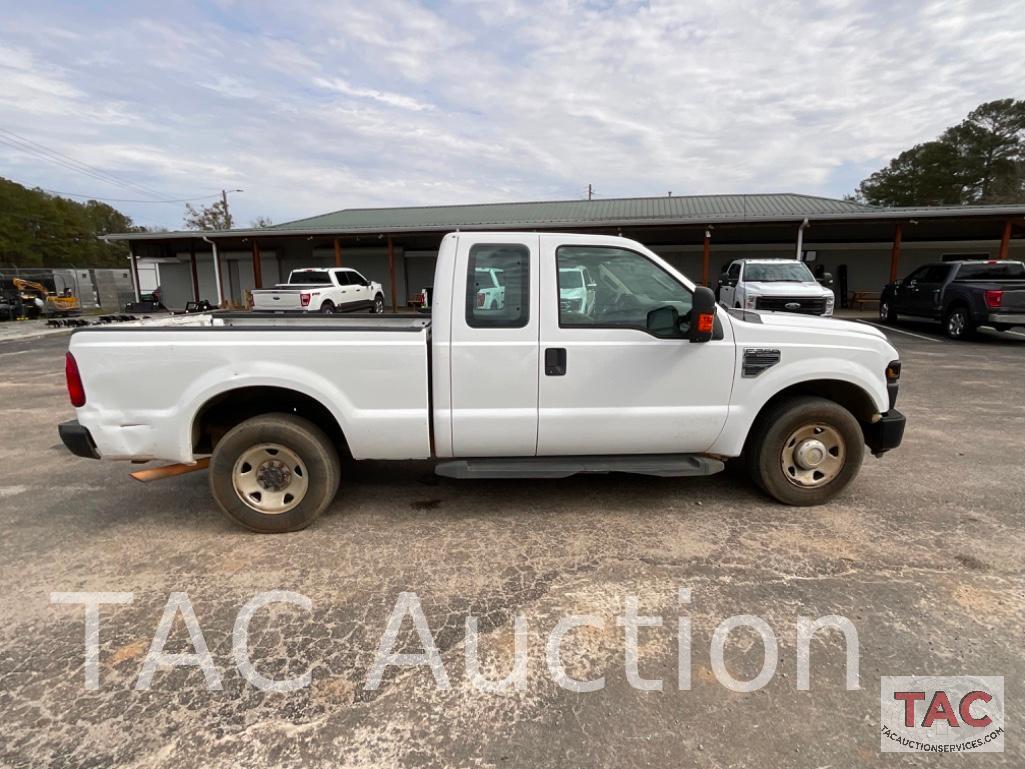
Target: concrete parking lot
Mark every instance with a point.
(924, 554)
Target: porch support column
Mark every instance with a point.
(391, 275)
(135, 271)
(195, 270)
(898, 234)
(257, 265)
(338, 252)
(706, 260)
(1005, 241)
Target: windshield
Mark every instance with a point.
(783, 272)
(1005, 271)
(571, 279)
(310, 276)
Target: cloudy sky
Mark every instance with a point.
(310, 107)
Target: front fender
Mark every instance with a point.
(751, 394)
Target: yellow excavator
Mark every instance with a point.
(40, 300)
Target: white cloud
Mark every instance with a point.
(391, 99)
(317, 106)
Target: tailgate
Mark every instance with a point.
(277, 299)
(1014, 299)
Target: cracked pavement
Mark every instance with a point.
(923, 553)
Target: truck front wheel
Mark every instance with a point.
(804, 450)
(274, 473)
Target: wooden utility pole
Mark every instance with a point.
(898, 233)
(1005, 241)
(227, 215)
(257, 265)
(338, 252)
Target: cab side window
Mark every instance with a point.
(607, 287)
(734, 271)
(498, 286)
(936, 274)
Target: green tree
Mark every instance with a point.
(212, 217)
(42, 230)
(981, 160)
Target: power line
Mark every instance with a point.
(125, 200)
(54, 156)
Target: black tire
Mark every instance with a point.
(886, 313)
(718, 294)
(308, 442)
(378, 306)
(772, 435)
(958, 323)
(328, 307)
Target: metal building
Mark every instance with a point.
(865, 245)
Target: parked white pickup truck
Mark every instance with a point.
(327, 290)
(647, 376)
(782, 285)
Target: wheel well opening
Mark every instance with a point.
(850, 396)
(223, 412)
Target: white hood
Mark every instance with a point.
(771, 288)
(816, 323)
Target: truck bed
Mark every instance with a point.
(145, 382)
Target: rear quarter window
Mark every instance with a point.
(1001, 271)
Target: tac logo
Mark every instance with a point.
(941, 714)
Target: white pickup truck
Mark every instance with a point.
(326, 290)
(648, 375)
(780, 285)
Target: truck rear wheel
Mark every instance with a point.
(274, 473)
(328, 307)
(805, 450)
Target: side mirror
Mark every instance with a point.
(664, 322)
(703, 314)
(724, 279)
(826, 279)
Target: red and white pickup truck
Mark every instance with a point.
(327, 290)
(643, 373)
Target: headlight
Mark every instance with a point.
(830, 301)
(750, 300)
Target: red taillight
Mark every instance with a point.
(706, 322)
(305, 299)
(75, 389)
(480, 298)
(994, 298)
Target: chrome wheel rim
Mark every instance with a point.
(270, 478)
(884, 311)
(813, 455)
(956, 323)
(378, 305)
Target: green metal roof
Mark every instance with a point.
(695, 208)
(587, 214)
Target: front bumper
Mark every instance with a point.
(885, 434)
(78, 439)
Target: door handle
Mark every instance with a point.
(555, 361)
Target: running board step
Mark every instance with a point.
(665, 465)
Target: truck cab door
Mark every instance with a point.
(608, 385)
(493, 354)
(728, 290)
(930, 288)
